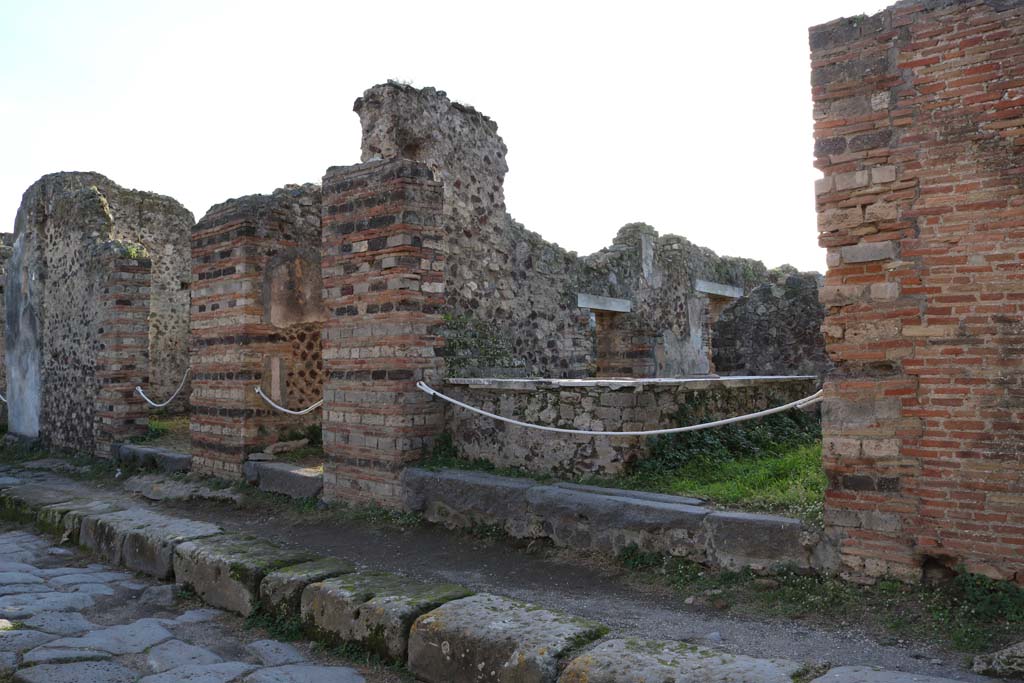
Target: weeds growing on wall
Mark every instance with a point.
(970, 613)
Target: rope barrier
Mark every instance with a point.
(273, 405)
(140, 392)
(801, 403)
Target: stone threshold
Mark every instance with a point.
(609, 521)
(294, 481)
(441, 633)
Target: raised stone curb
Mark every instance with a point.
(281, 590)
(65, 519)
(627, 493)
(646, 661)
(21, 503)
(226, 571)
(738, 540)
(608, 524)
(459, 499)
(374, 609)
(487, 637)
(141, 540)
(290, 480)
(441, 633)
(609, 520)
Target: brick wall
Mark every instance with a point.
(256, 315)
(122, 348)
(383, 269)
(919, 130)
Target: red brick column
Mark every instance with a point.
(122, 349)
(383, 270)
(920, 133)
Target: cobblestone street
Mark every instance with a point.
(66, 619)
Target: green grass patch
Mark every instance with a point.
(767, 465)
(970, 614)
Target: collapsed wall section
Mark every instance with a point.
(919, 115)
(256, 316)
(512, 298)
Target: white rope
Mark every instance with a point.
(2, 398)
(285, 410)
(803, 402)
(140, 392)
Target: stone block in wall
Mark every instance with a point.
(383, 269)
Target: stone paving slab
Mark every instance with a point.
(487, 637)
(374, 609)
(78, 672)
(120, 640)
(866, 674)
(303, 673)
(226, 571)
(645, 661)
(221, 672)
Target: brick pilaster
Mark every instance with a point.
(918, 133)
(122, 349)
(383, 270)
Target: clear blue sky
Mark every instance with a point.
(693, 117)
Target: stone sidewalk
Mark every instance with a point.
(440, 633)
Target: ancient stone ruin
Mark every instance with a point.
(407, 268)
(96, 303)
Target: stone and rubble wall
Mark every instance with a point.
(6, 250)
(77, 303)
(775, 329)
(919, 131)
(524, 288)
(598, 405)
(162, 226)
(256, 315)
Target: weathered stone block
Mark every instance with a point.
(762, 542)
(140, 539)
(65, 519)
(580, 519)
(281, 590)
(227, 571)
(647, 661)
(869, 251)
(460, 499)
(487, 637)
(374, 609)
(290, 480)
